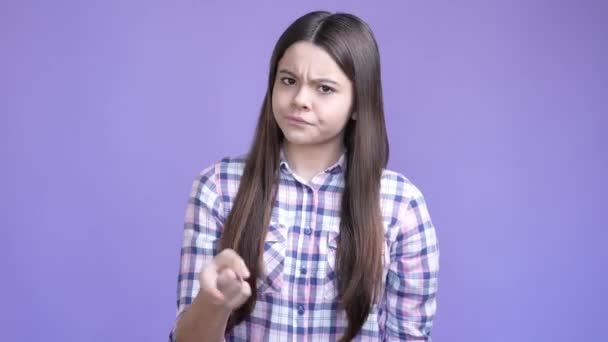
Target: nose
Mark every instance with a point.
(302, 98)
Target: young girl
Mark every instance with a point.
(309, 237)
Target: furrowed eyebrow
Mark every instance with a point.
(317, 80)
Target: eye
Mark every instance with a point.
(288, 80)
(326, 89)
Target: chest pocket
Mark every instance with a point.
(328, 248)
(270, 281)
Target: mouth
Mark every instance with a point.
(296, 120)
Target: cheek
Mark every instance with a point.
(280, 100)
(337, 123)
(336, 113)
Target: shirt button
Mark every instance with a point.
(303, 270)
(307, 231)
(300, 309)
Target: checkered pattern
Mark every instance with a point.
(297, 292)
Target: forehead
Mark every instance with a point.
(307, 59)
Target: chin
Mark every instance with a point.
(297, 140)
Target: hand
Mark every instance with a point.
(222, 280)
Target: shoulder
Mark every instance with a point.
(227, 168)
(398, 188)
(217, 183)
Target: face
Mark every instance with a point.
(311, 97)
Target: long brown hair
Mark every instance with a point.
(351, 44)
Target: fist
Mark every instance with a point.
(223, 280)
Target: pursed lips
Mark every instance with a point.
(297, 119)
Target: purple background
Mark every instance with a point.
(109, 109)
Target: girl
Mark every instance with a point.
(308, 236)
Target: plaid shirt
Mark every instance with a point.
(297, 291)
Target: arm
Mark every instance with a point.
(412, 275)
(198, 317)
(203, 321)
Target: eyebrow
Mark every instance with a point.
(316, 80)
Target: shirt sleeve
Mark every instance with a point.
(202, 229)
(411, 286)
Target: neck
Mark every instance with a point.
(309, 160)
